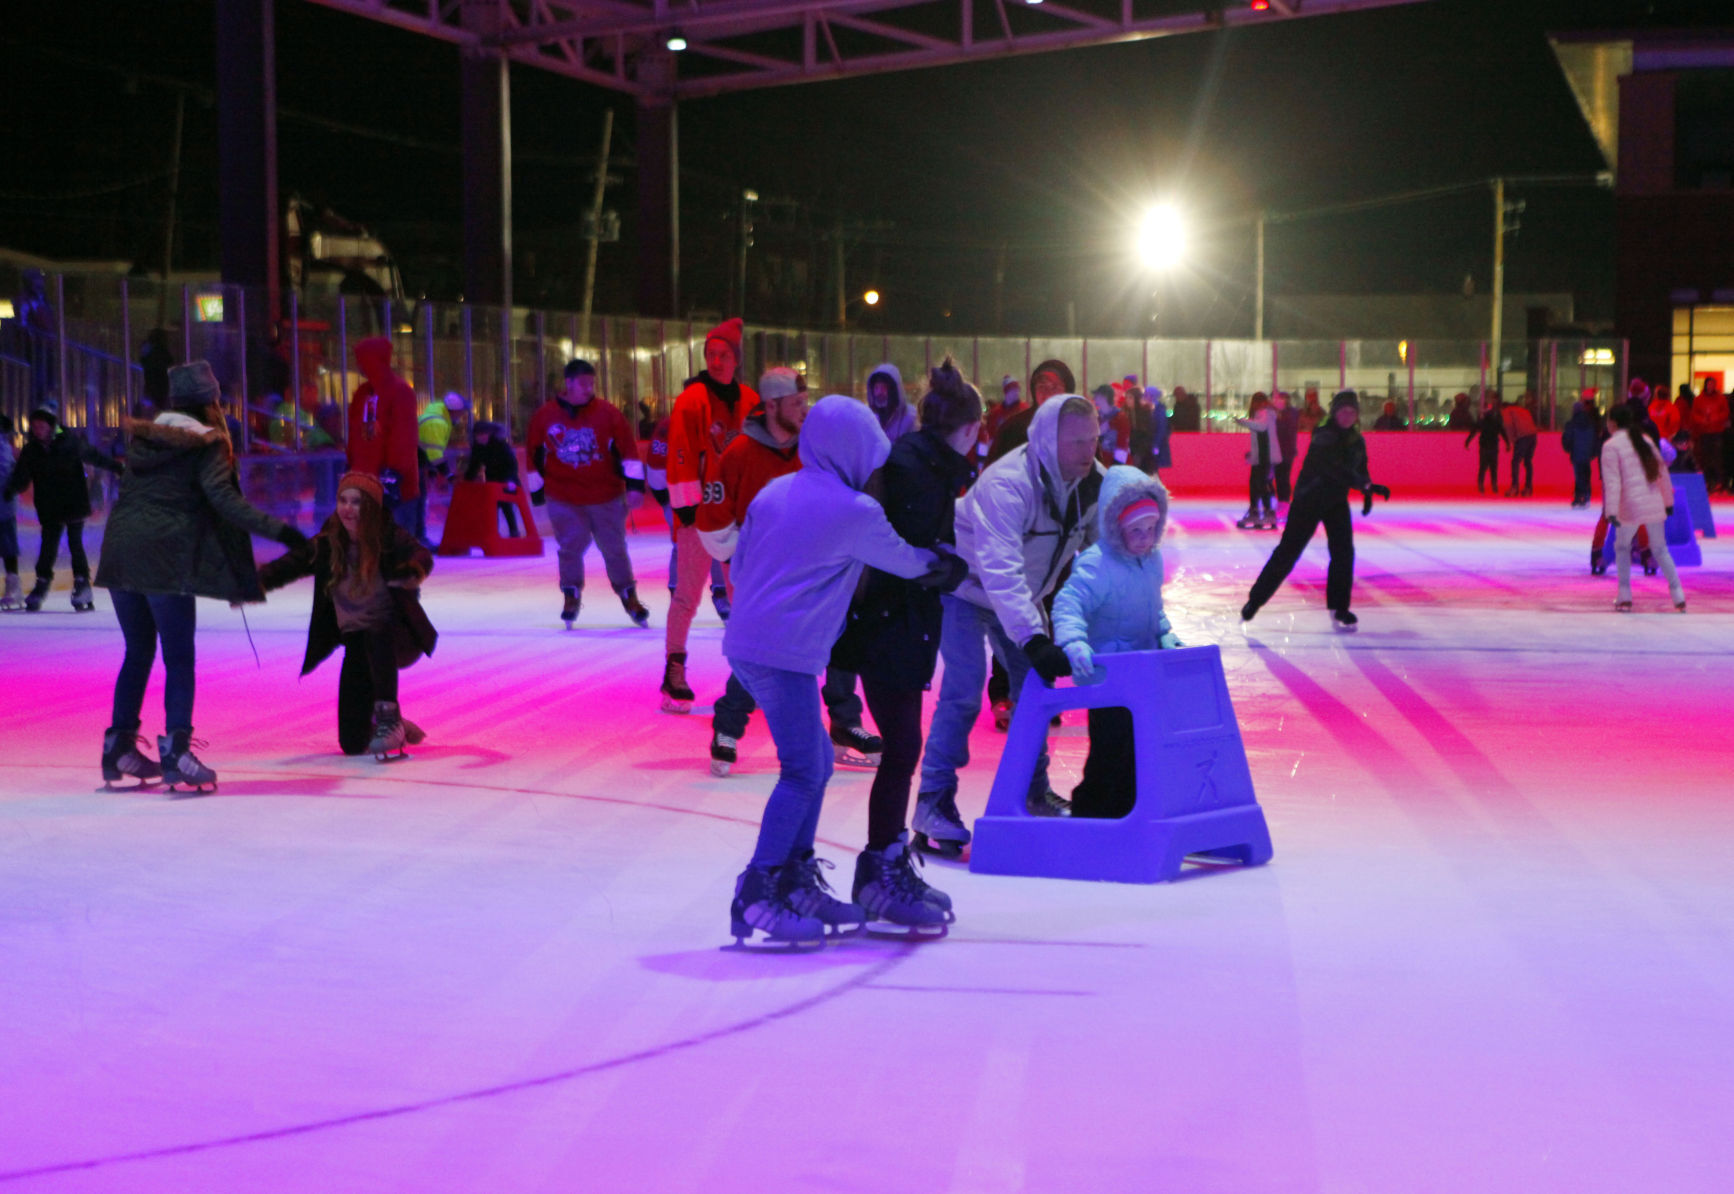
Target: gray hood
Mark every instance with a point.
(1120, 488)
(1044, 447)
(842, 437)
(902, 396)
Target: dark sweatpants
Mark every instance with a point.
(49, 555)
(1110, 784)
(1489, 468)
(1304, 517)
(369, 675)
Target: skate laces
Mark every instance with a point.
(904, 877)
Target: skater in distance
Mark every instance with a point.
(367, 572)
(51, 466)
(179, 530)
(1336, 462)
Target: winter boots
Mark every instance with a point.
(676, 696)
(122, 759)
(635, 608)
(181, 769)
(389, 734)
(14, 595)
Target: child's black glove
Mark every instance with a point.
(291, 538)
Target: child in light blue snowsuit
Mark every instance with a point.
(1113, 603)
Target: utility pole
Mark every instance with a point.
(596, 224)
(174, 197)
(745, 221)
(1258, 289)
(837, 259)
(1501, 229)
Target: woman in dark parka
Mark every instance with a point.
(368, 572)
(179, 529)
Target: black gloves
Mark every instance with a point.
(687, 515)
(1049, 661)
(946, 573)
(291, 538)
(1670, 511)
(1383, 491)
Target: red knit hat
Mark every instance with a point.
(729, 332)
(365, 482)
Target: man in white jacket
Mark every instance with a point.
(1017, 529)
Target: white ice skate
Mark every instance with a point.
(723, 753)
(14, 595)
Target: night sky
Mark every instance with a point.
(1049, 156)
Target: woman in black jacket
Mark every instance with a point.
(179, 529)
(891, 639)
(367, 572)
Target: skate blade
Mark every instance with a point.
(120, 785)
(892, 931)
(671, 705)
(720, 769)
(750, 944)
(181, 789)
(391, 756)
(850, 758)
(950, 851)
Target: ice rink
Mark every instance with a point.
(1494, 951)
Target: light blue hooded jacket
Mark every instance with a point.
(805, 540)
(1113, 600)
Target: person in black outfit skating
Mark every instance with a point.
(1336, 463)
(1491, 431)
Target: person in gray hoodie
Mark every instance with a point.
(887, 399)
(803, 545)
(1017, 529)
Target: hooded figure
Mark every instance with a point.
(1021, 524)
(886, 398)
(382, 421)
(1113, 599)
(806, 538)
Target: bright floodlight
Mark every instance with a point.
(1161, 238)
(675, 43)
(871, 298)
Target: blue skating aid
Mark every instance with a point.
(1689, 492)
(1194, 787)
(1678, 532)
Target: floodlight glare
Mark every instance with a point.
(871, 298)
(1161, 238)
(675, 43)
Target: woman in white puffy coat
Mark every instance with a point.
(1636, 492)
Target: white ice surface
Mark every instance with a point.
(1493, 952)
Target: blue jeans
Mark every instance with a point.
(966, 629)
(734, 708)
(790, 701)
(144, 618)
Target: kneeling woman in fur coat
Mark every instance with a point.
(368, 570)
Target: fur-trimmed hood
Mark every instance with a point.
(1120, 488)
(153, 443)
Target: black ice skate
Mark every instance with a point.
(896, 899)
(1598, 564)
(83, 600)
(1002, 715)
(719, 600)
(676, 696)
(181, 768)
(723, 754)
(1342, 619)
(1248, 521)
(122, 760)
(38, 591)
(810, 895)
(569, 611)
(635, 609)
(938, 828)
(1047, 803)
(389, 734)
(761, 903)
(13, 598)
(856, 747)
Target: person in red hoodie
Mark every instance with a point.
(1708, 423)
(767, 448)
(706, 418)
(383, 437)
(584, 459)
(1520, 433)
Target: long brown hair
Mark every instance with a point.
(1622, 417)
(370, 537)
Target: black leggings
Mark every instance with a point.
(1489, 468)
(1258, 487)
(1304, 517)
(50, 553)
(369, 675)
(897, 713)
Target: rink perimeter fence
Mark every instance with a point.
(506, 362)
